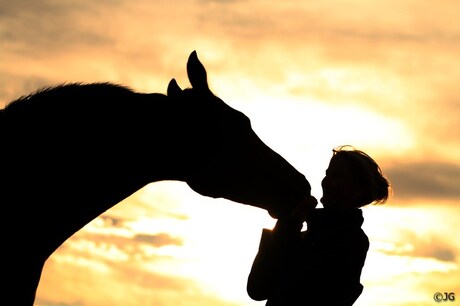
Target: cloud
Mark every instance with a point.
(438, 250)
(81, 41)
(129, 41)
(36, 28)
(44, 302)
(73, 280)
(107, 232)
(422, 243)
(109, 220)
(433, 180)
(158, 240)
(437, 247)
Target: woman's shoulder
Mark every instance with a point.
(360, 239)
(340, 240)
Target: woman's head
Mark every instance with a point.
(353, 179)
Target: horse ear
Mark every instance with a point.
(173, 88)
(196, 72)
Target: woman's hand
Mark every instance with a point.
(301, 211)
(293, 223)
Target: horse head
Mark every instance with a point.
(230, 160)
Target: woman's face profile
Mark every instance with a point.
(339, 190)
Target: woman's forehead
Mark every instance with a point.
(339, 162)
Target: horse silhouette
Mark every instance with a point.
(72, 151)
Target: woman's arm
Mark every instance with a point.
(265, 270)
(274, 246)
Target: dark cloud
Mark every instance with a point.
(36, 28)
(443, 253)
(138, 248)
(431, 246)
(48, 302)
(111, 221)
(108, 234)
(428, 180)
(158, 240)
(436, 251)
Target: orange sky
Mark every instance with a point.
(382, 76)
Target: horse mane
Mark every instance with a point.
(71, 90)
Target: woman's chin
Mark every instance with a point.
(328, 202)
(324, 201)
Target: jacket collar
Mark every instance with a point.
(331, 217)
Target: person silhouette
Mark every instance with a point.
(321, 265)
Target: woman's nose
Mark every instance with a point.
(324, 182)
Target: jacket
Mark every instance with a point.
(319, 266)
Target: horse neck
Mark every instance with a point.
(102, 127)
(81, 156)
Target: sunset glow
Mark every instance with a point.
(382, 76)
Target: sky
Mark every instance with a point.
(311, 75)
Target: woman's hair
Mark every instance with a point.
(367, 173)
